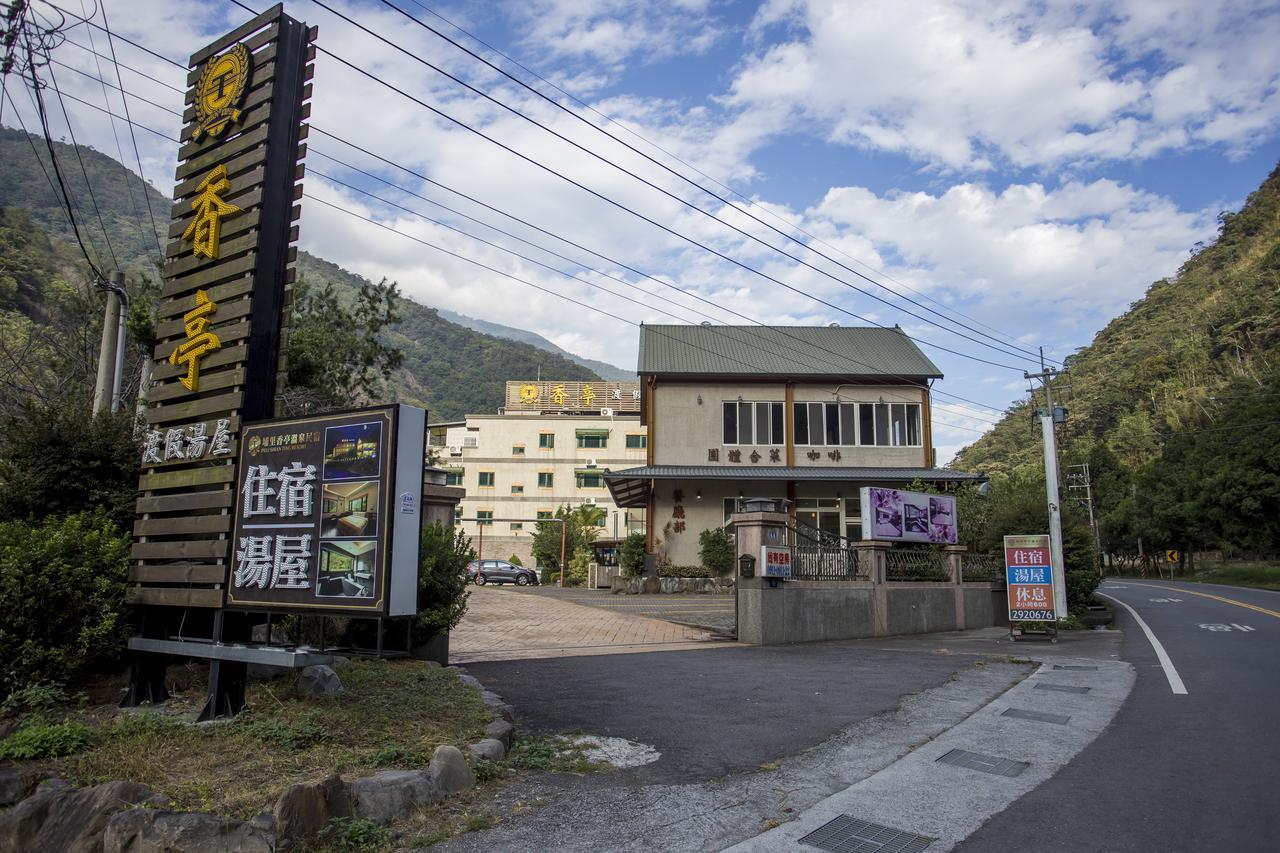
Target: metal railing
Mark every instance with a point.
(915, 564)
(821, 556)
(982, 568)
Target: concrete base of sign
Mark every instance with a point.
(266, 655)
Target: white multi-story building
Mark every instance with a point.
(550, 446)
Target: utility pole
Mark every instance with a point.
(106, 390)
(1048, 421)
(1087, 479)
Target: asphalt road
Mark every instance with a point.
(701, 610)
(1189, 771)
(716, 712)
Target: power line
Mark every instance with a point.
(39, 160)
(124, 98)
(746, 199)
(725, 201)
(674, 197)
(140, 73)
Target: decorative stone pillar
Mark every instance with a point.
(954, 555)
(872, 560)
(761, 607)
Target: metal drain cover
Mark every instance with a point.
(847, 834)
(986, 763)
(1018, 713)
(1076, 668)
(1062, 688)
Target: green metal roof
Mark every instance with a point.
(784, 351)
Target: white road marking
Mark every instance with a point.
(1175, 680)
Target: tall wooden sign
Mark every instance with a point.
(226, 277)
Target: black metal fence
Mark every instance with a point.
(821, 556)
(982, 568)
(915, 564)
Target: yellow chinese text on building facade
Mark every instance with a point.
(199, 343)
(588, 394)
(529, 393)
(204, 230)
(220, 91)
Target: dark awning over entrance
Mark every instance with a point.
(630, 486)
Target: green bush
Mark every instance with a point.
(631, 555)
(353, 835)
(578, 568)
(514, 560)
(62, 593)
(716, 549)
(667, 570)
(38, 699)
(1080, 587)
(442, 580)
(297, 735)
(46, 740)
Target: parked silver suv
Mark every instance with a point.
(500, 572)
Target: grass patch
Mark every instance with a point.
(352, 835)
(392, 713)
(552, 754)
(1256, 575)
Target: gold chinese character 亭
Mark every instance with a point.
(220, 91)
(588, 394)
(204, 230)
(199, 343)
(557, 395)
(529, 394)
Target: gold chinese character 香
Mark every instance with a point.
(204, 230)
(199, 343)
(557, 395)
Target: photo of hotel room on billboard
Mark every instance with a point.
(349, 516)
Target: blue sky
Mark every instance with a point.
(1031, 165)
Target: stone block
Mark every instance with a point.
(488, 749)
(319, 681)
(59, 817)
(154, 831)
(305, 809)
(17, 782)
(391, 794)
(501, 730)
(450, 771)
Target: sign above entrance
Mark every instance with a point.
(894, 515)
(592, 397)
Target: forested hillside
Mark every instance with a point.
(447, 368)
(1176, 403)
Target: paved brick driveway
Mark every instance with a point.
(506, 624)
(697, 610)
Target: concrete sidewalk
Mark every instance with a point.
(506, 624)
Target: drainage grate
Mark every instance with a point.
(1018, 713)
(1076, 668)
(985, 763)
(847, 834)
(1062, 688)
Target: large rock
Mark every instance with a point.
(154, 831)
(488, 749)
(501, 730)
(16, 782)
(319, 681)
(651, 586)
(59, 817)
(450, 771)
(391, 794)
(305, 809)
(496, 706)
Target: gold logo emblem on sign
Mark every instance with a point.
(220, 91)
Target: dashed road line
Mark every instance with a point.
(1170, 672)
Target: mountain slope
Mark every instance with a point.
(603, 369)
(1174, 362)
(448, 368)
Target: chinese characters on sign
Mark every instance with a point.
(314, 514)
(187, 443)
(199, 343)
(573, 396)
(776, 561)
(205, 230)
(1030, 579)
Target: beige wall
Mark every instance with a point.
(497, 436)
(699, 513)
(687, 429)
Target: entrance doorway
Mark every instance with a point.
(821, 514)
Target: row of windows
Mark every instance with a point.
(484, 518)
(547, 441)
(825, 424)
(546, 480)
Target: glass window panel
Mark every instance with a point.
(882, 424)
(762, 423)
(801, 426)
(898, 412)
(833, 424)
(866, 423)
(847, 424)
(779, 436)
(815, 423)
(744, 423)
(913, 425)
(730, 423)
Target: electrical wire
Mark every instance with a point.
(673, 196)
(39, 160)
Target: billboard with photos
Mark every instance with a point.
(896, 515)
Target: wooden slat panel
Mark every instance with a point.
(259, 91)
(232, 227)
(160, 392)
(206, 278)
(249, 203)
(173, 463)
(238, 34)
(162, 370)
(175, 596)
(220, 499)
(178, 573)
(226, 312)
(264, 77)
(189, 525)
(234, 147)
(237, 167)
(209, 476)
(199, 549)
(195, 409)
(227, 251)
(249, 119)
(229, 292)
(241, 194)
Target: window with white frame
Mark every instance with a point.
(863, 424)
(751, 422)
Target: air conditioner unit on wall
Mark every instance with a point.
(606, 413)
(591, 463)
